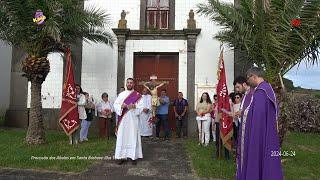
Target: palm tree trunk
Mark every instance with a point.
(282, 123)
(35, 133)
(35, 70)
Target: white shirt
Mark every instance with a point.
(81, 106)
(102, 106)
(147, 101)
(236, 108)
(145, 127)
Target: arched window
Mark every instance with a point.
(158, 14)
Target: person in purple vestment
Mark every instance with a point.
(258, 154)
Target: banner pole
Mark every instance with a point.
(220, 141)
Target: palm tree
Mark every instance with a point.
(273, 34)
(66, 21)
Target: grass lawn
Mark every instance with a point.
(304, 165)
(16, 153)
(206, 165)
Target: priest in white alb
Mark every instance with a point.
(128, 107)
(146, 114)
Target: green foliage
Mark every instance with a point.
(301, 90)
(304, 165)
(288, 84)
(262, 30)
(66, 21)
(17, 154)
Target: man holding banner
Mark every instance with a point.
(225, 122)
(69, 116)
(128, 107)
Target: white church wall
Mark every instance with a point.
(114, 9)
(99, 70)
(207, 48)
(99, 61)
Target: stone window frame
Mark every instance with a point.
(143, 13)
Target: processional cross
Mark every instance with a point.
(153, 86)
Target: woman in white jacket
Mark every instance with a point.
(81, 100)
(87, 114)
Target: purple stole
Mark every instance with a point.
(131, 99)
(246, 103)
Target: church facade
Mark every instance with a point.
(165, 38)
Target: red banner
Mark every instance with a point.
(226, 127)
(69, 117)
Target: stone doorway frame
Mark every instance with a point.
(190, 35)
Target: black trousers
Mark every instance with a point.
(163, 121)
(219, 144)
(235, 134)
(181, 126)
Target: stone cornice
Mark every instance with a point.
(156, 34)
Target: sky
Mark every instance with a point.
(306, 77)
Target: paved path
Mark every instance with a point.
(162, 160)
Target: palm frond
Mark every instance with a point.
(66, 21)
(96, 17)
(99, 36)
(52, 29)
(266, 33)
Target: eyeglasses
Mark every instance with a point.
(237, 97)
(248, 77)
